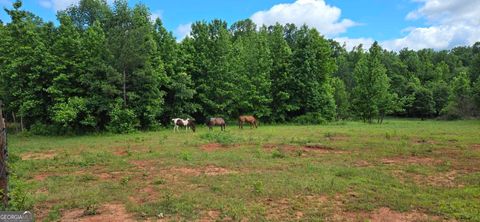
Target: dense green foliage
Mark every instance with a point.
(108, 66)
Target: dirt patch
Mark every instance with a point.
(476, 147)
(384, 215)
(411, 160)
(423, 141)
(315, 148)
(337, 137)
(209, 170)
(446, 179)
(362, 163)
(145, 195)
(41, 176)
(120, 152)
(210, 147)
(278, 209)
(145, 164)
(50, 154)
(210, 216)
(322, 149)
(108, 212)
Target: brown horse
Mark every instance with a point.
(216, 122)
(249, 119)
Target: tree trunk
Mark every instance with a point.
(3, 161)
(21, 123)
(125, 87)
(15, 122)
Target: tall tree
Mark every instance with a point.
(341, 99)
(87, 12)
(424, 105)
(459, 102)
(25, 67)
(212, 53)
(179, 88)
(312, 67)
(136, 56)
(252, 64)
(372, 97)
(280, 75)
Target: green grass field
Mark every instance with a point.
(404, 170)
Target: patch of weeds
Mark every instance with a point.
(20, 197)
(54, 214)
(186, 156)
(86, 177)
(159, 181)
(414, 169)
(91, 209)
(444, 166)
(124, 181)
(299, 153)
(300, 141)
(345, 173)
(329, 135)
(388, 136)
(173, 205)
(472, 179)
(278, 153)
(258, 187)
(257, 152)
(215, 188)
(223, 138)
(461, 209)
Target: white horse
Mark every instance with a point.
(177, 122)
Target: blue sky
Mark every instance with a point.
(416, 24)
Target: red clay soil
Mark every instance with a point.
(316, 148)
(210, 147)
(210, 216)
(50, 154)
(208, 170)
(108, 212)
(411, 160)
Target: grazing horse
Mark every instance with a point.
(188, 123)
(216, 122)
(249, 119)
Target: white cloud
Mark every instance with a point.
(352, 42)
(59, 5)
(452, 23)
(183, 31)
(5, 3)
(156, 14)
(314, 13)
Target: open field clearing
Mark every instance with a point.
(402, 170)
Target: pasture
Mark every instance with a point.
(403, 170)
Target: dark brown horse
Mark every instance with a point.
(247, 119)
(216, 122)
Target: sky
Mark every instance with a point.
(395, 24)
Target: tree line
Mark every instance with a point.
(112, 68)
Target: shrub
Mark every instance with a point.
(310, 118)
(44, 129)
(219, 137)
(122, 120)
